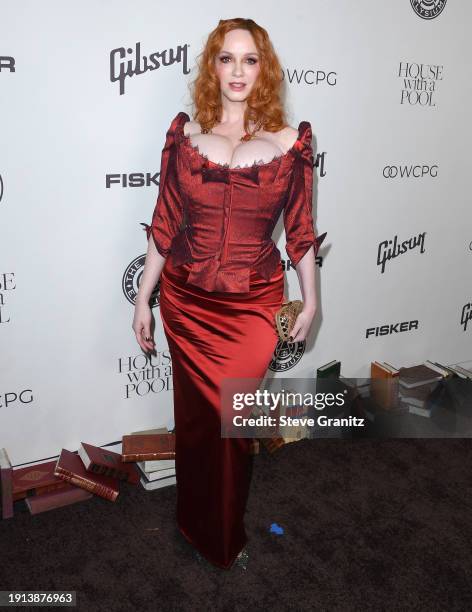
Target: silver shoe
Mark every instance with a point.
(242, 559)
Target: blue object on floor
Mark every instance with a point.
(274, 528)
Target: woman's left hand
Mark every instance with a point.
(302, 325)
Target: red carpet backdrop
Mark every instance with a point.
(87, 92)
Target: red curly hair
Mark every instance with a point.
(264, 105)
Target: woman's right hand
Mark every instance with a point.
(142, 326)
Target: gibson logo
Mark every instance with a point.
(466, 315)
(389, 249)
(320, 163)
(122, 67)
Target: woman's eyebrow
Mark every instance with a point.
(250, 53)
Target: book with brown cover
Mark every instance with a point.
(102, 461)
(418, 375)
(384, 386)
(142, 447)
(57, 499)
(418, 396)
(6, 477)
(36, 479)
(70, 468)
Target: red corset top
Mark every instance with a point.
(221, 219)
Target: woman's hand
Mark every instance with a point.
(302, 324)
(142, 325)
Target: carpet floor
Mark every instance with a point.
(364, 525)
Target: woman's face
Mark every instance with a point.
(237, 62)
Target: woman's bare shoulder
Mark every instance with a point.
(287, 136)
(191, 127)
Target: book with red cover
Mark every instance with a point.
(142, 447)
(103, 461)
(70, 468)
(35, 479)
(6, 479)
(66, 496)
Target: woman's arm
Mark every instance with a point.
(142, 319)
(166, 221)
(302, 244)
(306, 277)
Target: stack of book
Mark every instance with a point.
(153, 451)
(419, 385)
(73, 477)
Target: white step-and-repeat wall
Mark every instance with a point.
(387, 89)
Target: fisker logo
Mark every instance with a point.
(286, 355)
(428, 9)
(466, 315)
(135, 179)
(7, 63)
(391, 328)
(403, 171)
(287, 265)
(389, 249)
(132, 279)
(120, 67)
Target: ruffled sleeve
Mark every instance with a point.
(169, 210)
(297, 215)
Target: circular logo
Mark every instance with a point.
(286, 355)
(428, 9)
(1, 188)
(132, 279)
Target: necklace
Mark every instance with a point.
(244, 138)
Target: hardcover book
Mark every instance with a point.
(144, 447)
(36, 479)
(109, 463)
(57, 499)
(6, 477)
(70, 468)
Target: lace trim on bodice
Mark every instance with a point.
(187, 141)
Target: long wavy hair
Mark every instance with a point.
(264, 105)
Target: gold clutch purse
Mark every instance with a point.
(285, 318)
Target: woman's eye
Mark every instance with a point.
(251, 60)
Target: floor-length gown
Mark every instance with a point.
(220, 287)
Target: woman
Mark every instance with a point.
(225, 179)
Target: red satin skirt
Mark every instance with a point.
(212, 335)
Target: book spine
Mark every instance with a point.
(85, 483)
(38, 490)
(7, 492)
(148, 456)
(56, 500)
